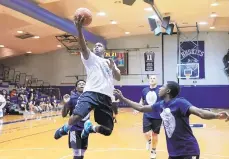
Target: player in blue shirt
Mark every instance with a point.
(175, 112)
(151, 120)
(75, 141)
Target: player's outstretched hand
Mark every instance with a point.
(78, 21)
(224, 115)
(118, 94)
(66, 98)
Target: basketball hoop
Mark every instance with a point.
(188, 70)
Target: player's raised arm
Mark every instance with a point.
(79, 25)
(65, 109)
(204, 114)
(140, 102)
(136, 106)
(115, 70)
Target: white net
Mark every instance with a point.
(187, 71)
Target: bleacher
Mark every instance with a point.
(26, 93)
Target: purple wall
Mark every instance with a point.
(213, 96)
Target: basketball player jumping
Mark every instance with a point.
(151, 120)
(98, 90)
(175, 112)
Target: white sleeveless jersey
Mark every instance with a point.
(99, 75)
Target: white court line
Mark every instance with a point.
(66, 156)
(213, 127)
(111, 149)
(134, 149)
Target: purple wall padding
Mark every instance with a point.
(211, 96)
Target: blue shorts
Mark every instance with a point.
(100, 103)
(151, 124)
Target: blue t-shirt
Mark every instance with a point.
(79, 126)
(179, 135)
(150, 97)
(73, 102)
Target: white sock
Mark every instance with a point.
(93, 128)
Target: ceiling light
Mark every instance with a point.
(113, 22)
(148, 9)
(36, 37)
(2, 46)
(203, 23)
(213, 15)
(28, 52)
(154, 17)
(59, 46)
(212, 27)
(19, 32)
(215, 4)
(127, 32)
(101, 14)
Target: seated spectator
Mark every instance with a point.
(22, 102)
(12, 108)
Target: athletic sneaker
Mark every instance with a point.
(88, 128)
(153, 154)
(61, 132)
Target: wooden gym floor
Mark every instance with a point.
(33, 139)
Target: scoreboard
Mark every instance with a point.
(120, 59)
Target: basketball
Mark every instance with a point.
(86, 13)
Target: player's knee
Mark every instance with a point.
(110, 128)
(105, 130)
(154, 134)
